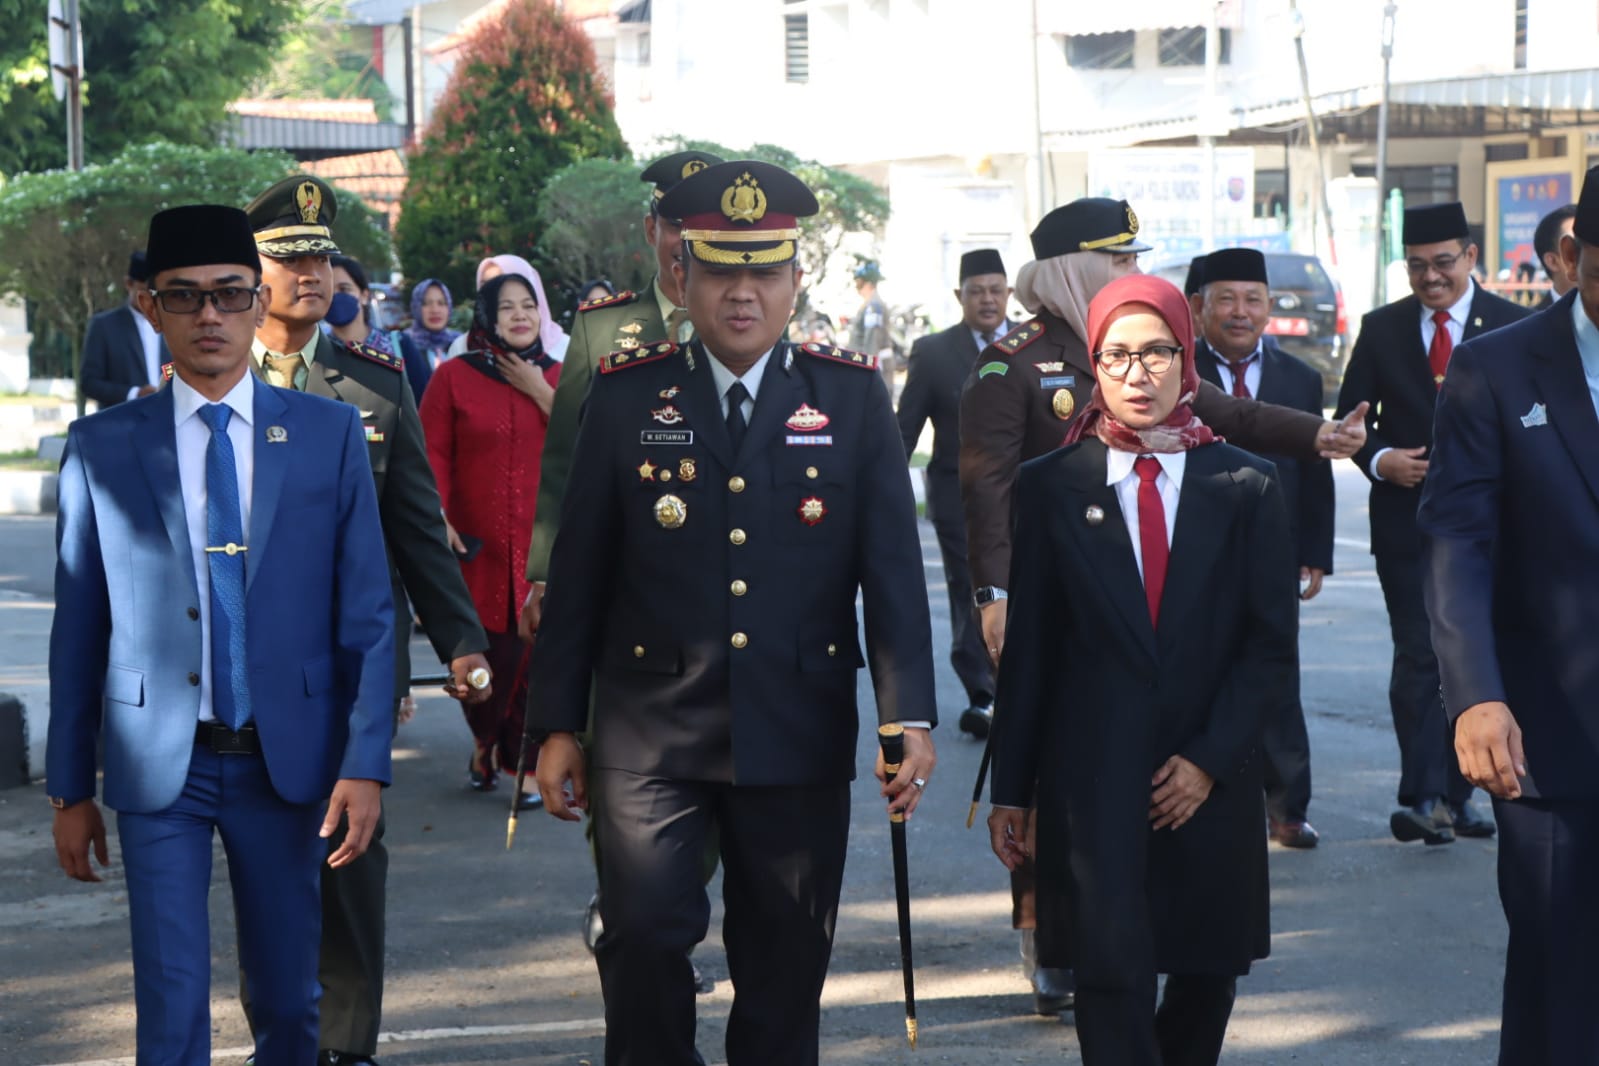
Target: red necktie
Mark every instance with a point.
(1151, 533)
(1442, 345)
(1238, 370)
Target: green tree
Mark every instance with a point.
(153, 69)
(67, 235)
(525, 100)
(325, 57)
(593, 215)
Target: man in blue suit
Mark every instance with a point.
(256, 709)
(1510, 513)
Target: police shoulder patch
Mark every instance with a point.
(839, 355)
(626, 296)
(375, 355)
(647, 353)
(1020, 337)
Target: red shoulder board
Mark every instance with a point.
(375, 355)
(166, 372)
(1020, 337)
(626, 296)
(839, 355)
(648, 353)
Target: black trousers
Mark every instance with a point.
(783, 864)
(966, 651)
(1548, 882)
(350, 964)
(1285, 744)
(1427, 765)
(1124, 1028)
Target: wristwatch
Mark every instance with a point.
(58, 803)
(988, 594)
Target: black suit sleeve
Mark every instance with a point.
(96, 376)
(1316, 497)
(915, 400)
(413, 524)
(1360, 384)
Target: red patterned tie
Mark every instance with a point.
(1442, 345)
(1152, 533)
(1240, 371)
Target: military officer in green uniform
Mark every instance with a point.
(291, 221)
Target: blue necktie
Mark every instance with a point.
(224, 530)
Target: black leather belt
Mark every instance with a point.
(224, 741)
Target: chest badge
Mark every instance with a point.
(372, 435)
(1050, 368)
(646, 471)
(807, 419)
(1063, 404)
(669, 392)
(667, 416)
(276, 435)
(686, 470)
(670, 512)
(812, 510)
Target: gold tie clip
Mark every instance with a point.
(230, 548)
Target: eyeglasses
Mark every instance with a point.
(230, 298)
(1441, 263)
(1156, 359)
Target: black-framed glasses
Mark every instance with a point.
(1441, 263)
(1156, 359)
(229, 298)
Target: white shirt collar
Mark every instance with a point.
(1119, 465)
(186, 402)
(1459, 309)
(751, 378)
(1587, 335)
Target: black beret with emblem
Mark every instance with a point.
(1433, 223)
(1234, 264)
(199, 235)
(1092, 224)
(981, 261)
(743, 214)
(669, 171)
(293, 218)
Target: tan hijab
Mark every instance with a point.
(1064, 285)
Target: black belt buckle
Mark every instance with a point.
(223, 741)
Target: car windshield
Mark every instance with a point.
(1299, 274)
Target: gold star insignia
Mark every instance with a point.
(646, 471)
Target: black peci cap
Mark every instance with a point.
(1234, 264)
(1586, 225)
(981, 261)
(1432, 223)
(200, 235)
(670, 171)
(138, 269)
(1195, 279)
(744, 213)
(292, 218)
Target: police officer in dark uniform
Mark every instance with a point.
(291, 222)
(706, 584)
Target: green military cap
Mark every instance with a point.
(293, 218)
(667, 171)
(745, 213)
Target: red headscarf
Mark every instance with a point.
(1181, 430)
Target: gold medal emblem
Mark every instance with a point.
(812, 510)
(670, 512)
(686, 470)
(1063, 404)
(308, 198)
(646, 471)
(744, 201)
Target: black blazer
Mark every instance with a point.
(113, 357)
(1307, 483)
(940, 363)
(1389, 369)
(1093, 700)
(708, 598)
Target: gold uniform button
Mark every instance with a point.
(740, 640)
(832, 649)
(737, 536)
(739, 587)
(735, 484)
(812, 472)
(638, 651)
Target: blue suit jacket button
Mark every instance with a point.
(194, 612)
(194, 679)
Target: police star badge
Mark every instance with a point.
(812, 510)
(670, 512)
(667, 416)
(646, 471)
(807, 419)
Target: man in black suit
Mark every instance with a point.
(1552, 231)
(1235, 355)
(1397, 366)
(122, 353)
(939, 367)
(737, 493)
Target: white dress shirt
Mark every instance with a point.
(1119, 474)
(1457, 329)
(193, 437)
(1251, 370)
(725, 378)
(152, 352)
(1587, 349)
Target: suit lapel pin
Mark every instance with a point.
(1093, 514)
(1477, 322)
(276, 435)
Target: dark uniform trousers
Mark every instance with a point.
(1285, 759)
(967, 654)
(1190, 1022)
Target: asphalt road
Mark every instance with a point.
(1381, 953)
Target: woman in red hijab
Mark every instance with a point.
(1151, 628)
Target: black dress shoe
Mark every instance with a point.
(1294, 834)
(1420, 823)
(1466, 821)
(975, 721)
(329, 1057)
(1054, 990)
(530, 801)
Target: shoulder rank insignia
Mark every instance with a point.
(375, 355)
(1020, 337)
(626, 296)
(648, 353)
(839, 355)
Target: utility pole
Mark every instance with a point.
(1315, 138)
(1207, 138)
(66, 72)
(1379, 294)
(1038, 118)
